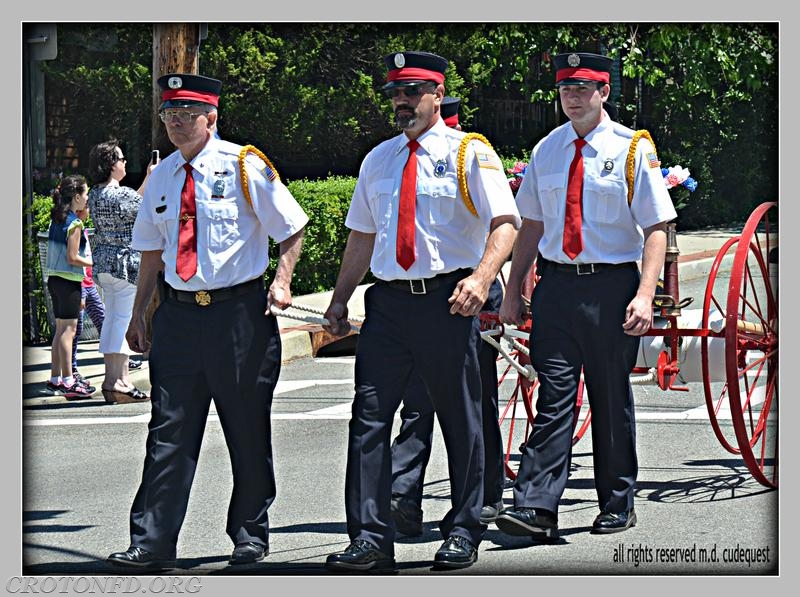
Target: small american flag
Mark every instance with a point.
(269, 173)
(653, 160)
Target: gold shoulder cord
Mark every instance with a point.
(461, 172)
(243, 172)
(629, 162)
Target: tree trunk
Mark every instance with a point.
(175, 50)
(176, 47)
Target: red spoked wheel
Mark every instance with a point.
(749, 312)
(712, 349)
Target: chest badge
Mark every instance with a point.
(219, 188)
(440, 169)
(608, 165)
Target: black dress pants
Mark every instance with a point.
(229, 352)
(411, 449)
(402, 333)
(577, 324)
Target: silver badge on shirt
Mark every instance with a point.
(219, 188)
(608, 165)
(440, 169)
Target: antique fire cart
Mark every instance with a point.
(730, 345)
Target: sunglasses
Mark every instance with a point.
(408, 91)
(184, 117)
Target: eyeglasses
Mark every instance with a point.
(183, 117)
(409, 91)
(122, 159)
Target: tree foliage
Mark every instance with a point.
(308, 94)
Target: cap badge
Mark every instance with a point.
(175, 83)
(399, 60)
(440, 169)
(573, 60)
(608, 165)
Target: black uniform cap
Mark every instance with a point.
(581, 67)
(449, 110)
(413, 67)
(186, 90)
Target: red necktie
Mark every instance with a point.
(186, 262)
(406, 214)
(573, 242)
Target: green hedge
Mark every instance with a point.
(326, 203)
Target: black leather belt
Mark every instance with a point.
(579, 269)
(426, 285)
(209, 297)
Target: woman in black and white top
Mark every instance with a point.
(116, 265)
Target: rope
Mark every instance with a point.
(526, 371)
(308, 318)
(646, 379)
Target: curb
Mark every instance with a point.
(299, 340)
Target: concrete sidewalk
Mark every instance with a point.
(301, 339)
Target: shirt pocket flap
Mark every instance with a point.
(220, 210)
(550, 183)
(164, 212)
(437, 187)
(604, 185)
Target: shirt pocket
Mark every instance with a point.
(380, 203)
(165, 217)
(551, 187)
(441, 198)
(222, 218)
(603, 199)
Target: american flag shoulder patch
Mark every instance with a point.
(268, 172)
(653, 160)
(488, 160)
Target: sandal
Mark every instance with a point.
(132, 395)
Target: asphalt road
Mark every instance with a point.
(701, 514)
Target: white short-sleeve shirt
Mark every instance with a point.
(232, 235)
(612, 230)
(448, 235)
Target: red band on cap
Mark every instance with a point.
(451, 121)
(208, 98)
(400, 74)
(582, 73)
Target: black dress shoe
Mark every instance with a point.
(456, 552)
(247, 553)
(136, 557)
(361, 555)
(489, 513)
(614, 522)
(407, 516)
(528, 522)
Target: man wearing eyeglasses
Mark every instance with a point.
(206, 224)
(427, 244)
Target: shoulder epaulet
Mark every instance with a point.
(622, 130)
(629, 162)
(461, 172)
(269, 171)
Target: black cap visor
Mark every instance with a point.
(408, 83)
(578, 82)
(184, 103)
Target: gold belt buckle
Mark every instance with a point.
(202, 298)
